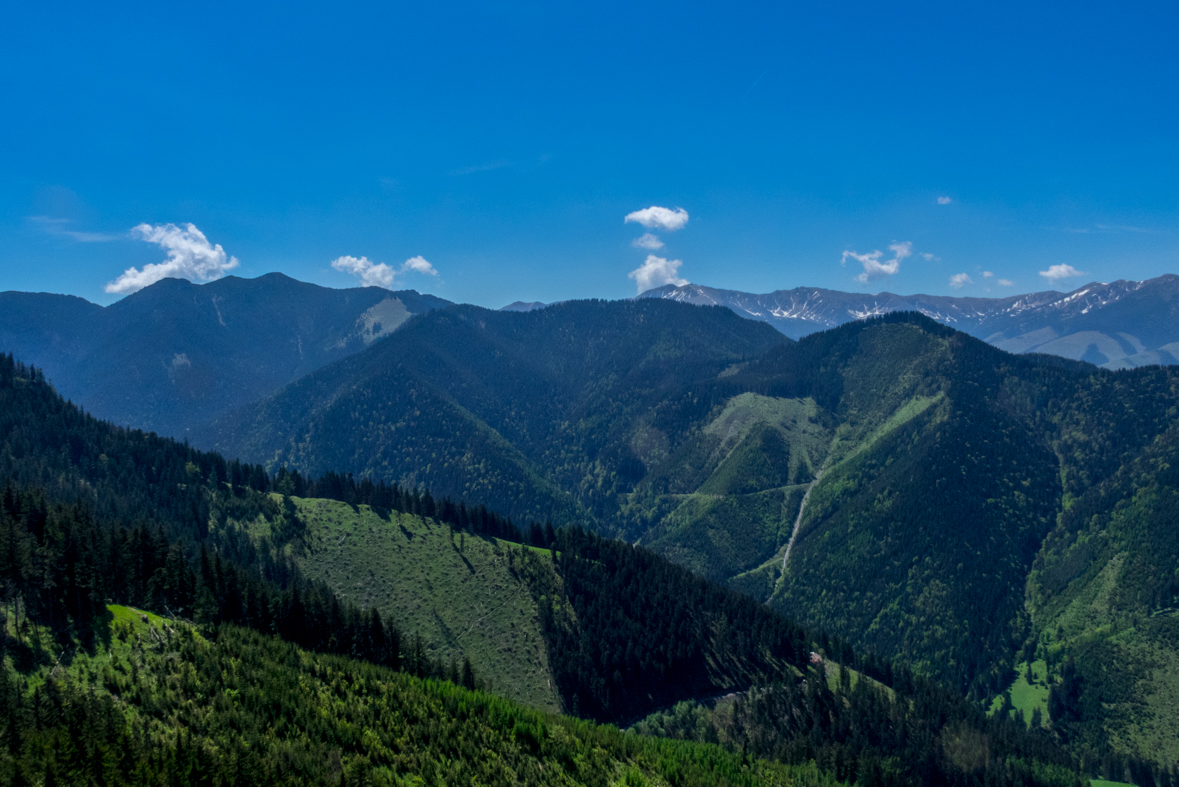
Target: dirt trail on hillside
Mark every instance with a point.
(798, 520)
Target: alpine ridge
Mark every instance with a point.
(177, 354)
(1117, 325)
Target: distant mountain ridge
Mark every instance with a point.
(177, 354)
(524, 306)
(1119, 325)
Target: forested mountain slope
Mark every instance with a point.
(530, 413)
(176, 354)
(624, 631)
(943, 464)
(137, 709)
(1103, 597)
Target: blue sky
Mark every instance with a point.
(504, 144)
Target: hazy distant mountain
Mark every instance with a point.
(522, 306)
(1118, 325)
(176, 354)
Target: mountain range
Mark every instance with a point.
(1117, 325)
(177, 354)
(892, 480)
(238, 668)
(1002, 523)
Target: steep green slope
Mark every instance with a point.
(530, 413)
(1103, 597)
(810, 718)
(157, 702)
(944, 461)
(624, 630)
(453, 590)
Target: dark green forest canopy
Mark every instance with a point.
(514, 409)
(947, 463)
(620, 655)
(162, 704)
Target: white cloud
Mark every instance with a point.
(1006, 283)
(418, 264)
(378, 274)
(873, 267)
(927, 256)
(371, 274)
(987, 274)
(656, 217)
(902, 250)
(647, 241)
(655, 272)
(960, 280)
(944, 200)
(1061, 271)
(190, 256)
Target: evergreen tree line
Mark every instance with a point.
(384, 496)
(629, 633)
(649, 633)
(60, 567)
(164, 706)
(121, 474)
(926, 736)
(128, 476)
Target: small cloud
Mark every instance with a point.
(190, 256)
(1107, 228)
(1061, 271)
(1006, 283)
(874, 268)
(927, 256)
(486, 167)
(960, 280)
(656, 217)
(647, 241)
(944, 200)
(1125, 228)
(371, 274)
(420, 265)
(52, 226)
(655, 272)
(987, 274)
(378, 274)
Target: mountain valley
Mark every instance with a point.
(911, 503)
(945, 463)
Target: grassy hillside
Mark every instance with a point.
(453, 590)
(1103, 597)
(157, 701)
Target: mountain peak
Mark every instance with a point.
(1116, 324)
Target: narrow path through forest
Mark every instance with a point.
(798, 520)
